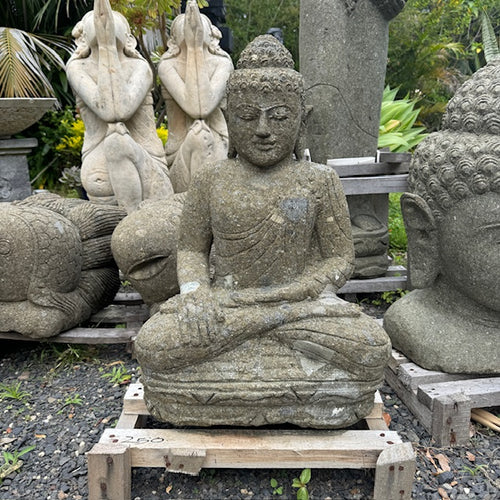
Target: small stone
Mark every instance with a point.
(445, 477)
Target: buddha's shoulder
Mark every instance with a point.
(315, 171)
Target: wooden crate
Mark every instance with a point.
(189, 450)
(127, 311)
(442, 402)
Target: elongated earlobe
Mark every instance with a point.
(423, 249)
(300, 143)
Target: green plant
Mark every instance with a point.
(11, 461)
(118, 375)
(388, 297)
(490, 43)
(73, 400)
(474, 471)
(60, 137)
(66, 355)
(277, 490)
(398, 241)
(397, 130)
(23, 58)
(13, 391)
(301, 483)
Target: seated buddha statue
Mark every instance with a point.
(451, 322)
(257, 334)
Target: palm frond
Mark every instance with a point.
(22, 59)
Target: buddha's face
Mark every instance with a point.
(470, 248)
(263, 126)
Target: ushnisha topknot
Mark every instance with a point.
(265, 51)
(463, 159)
(265, 65)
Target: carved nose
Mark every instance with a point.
(262, 129)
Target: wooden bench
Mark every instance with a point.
(189, 450)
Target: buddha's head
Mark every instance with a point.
(452, 215)
(265, 104)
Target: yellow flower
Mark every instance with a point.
(162, 134)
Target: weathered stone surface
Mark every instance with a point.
(144, 246)
(14, 174)
(123, 158)
(452, 220)
(194, 72)
(56, 267)
(19, 113)
(260, 337)
(343, 53)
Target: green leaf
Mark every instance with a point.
(296, 483)
(305, 476)
(491, 49)
(302, 493)
(274, 483)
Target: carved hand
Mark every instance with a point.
(104, 24)
(199, 316)
(193, 25)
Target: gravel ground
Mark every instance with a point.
(64, 397)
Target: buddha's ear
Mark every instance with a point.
(301, 138)
(423, 250)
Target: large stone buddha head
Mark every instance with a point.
(452, 215)
(452, 218)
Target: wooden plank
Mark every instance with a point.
(450, 420)
(369, 169)
(185, 461)
(388, 156)
(128, 421)
(394, 473)
(409, 398)
(414, 376)
(81, 336)
(396, 271)
(256, 448)
(375, 420)
(119, 314)
(382, 284)
(397, 358)
(127, 298)
(109, 472)
(482, 392)
(397, 183)
(133, 401)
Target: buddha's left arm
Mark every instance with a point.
(333, 230)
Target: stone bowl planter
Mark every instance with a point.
(18, 113)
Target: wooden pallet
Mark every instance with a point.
(442, 402)
(394, 279)
(189, 450)
(117, 323)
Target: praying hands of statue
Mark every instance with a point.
(104, 25)
(193, 26)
